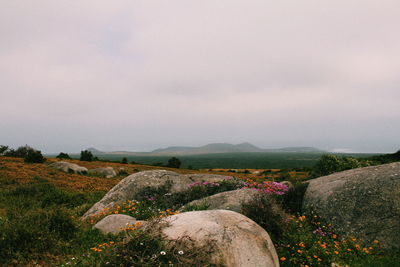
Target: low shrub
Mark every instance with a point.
(267, 212)
(292, 201)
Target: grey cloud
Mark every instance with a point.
(143, 74)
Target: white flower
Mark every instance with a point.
(163, 253)
(180, 252)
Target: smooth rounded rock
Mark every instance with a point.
(115, 223)
(107, 172)
(69, 167)
(238, 241)
(229, 200)
(364, 202)
(128, 187)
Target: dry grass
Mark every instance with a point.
(13, 172)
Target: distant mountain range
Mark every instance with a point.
(210, 149)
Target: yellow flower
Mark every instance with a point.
(299, 251)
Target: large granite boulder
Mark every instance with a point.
(238, 241)
(69, 167)
(363, 203)
(115, 223)
(107, 172)
(229, 200)
(128, 187)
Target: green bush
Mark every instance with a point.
(174, 163)
(329, 164)
(63, 155)
(86, 155)
(34, 156)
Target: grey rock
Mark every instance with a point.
(128, 187)
(69, 167)
(229, 200)
(107, 172)
(239, 241)
(115, 223)
(364, 202)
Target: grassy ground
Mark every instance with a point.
(40, 209)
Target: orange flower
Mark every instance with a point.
(323, 245)
(336, 252)
(282, 258)
(376, 241)
(334, 236)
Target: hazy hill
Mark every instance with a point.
(209, 149)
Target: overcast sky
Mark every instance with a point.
(138, 75)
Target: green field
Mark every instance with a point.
(254, 160)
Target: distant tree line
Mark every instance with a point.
(331, 163)
(29, 154)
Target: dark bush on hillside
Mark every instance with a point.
(174, 163)
(34, 156)
(124, 161)
(86, 155)
(20, 152)
(63, 155)
(386, 158)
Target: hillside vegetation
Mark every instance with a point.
(40, 210)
